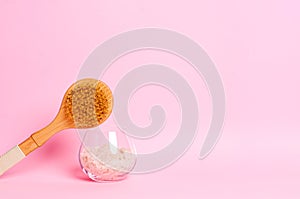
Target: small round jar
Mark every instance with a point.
(106, 154)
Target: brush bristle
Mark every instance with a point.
(88, 103)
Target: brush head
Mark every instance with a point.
(87, 103)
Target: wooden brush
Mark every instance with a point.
(86, 104)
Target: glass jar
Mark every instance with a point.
(106, 154)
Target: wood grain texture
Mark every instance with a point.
(28, 146)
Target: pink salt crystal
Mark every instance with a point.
(102, 165)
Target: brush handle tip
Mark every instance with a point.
(10, 158)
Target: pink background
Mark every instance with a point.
(255, 45)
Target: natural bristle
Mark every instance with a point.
(88, 103)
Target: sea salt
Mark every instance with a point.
(100, 164)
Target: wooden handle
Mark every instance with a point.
(28, 146)
(36, 140)
(16, 154)
(40, 137)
